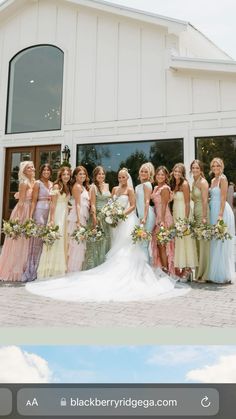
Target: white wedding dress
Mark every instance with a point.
(124, 276)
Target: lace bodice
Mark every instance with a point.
(123, 200)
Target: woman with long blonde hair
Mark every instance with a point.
(14, 253)
(221, 253)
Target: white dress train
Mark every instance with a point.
(124, 276)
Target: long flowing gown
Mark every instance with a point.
(222, 264)
(203, 246)
(185, 248)
(53, 259)
(124, 276)
(150, 222)
(76, 251)
(96, 252)
(170, 247)
(35, 243)
(14, 253)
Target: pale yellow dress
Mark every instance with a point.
(53, 261)
(185, 248)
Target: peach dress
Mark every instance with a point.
(156, 260)
(14, 253)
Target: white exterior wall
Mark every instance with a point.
(117, 84)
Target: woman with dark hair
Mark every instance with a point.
(14, 253)
(99, 196)
(162, 255)
(185, 248)
(39, 212)
(53, 259)
(78, 216)
(200, 189)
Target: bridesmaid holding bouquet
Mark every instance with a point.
(163, 255)
(221, 253)
(14, 253)
(185, 247)
(78, 217)
(201, 215)
(39, 212)
(143, 193)
(99, 195)
(53, 261)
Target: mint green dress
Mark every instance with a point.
(96, 252)
(203, 246)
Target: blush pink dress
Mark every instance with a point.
(156, 197)
(14, 253)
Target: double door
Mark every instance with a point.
(14, 156)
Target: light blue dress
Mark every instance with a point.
(140, 205)
(222, 265)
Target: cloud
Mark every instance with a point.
(223, 371)
(18, 366)
(177, 355)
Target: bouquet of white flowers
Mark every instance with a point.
(201, 231)
(165, 235)
(112, 213)
(182, 227)
(12, 229)
(30, 229)
(94, 234)
(220, 231)
(49, 234)
(79, 234)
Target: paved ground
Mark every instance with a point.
(205, 305)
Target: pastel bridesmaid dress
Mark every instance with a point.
(222, 264)
(76, 252)
(203, 246)
(14, 253)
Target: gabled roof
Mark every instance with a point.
(172, 25)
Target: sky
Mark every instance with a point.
(215, 18)
(118, 364)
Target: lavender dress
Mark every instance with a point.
(36, 244)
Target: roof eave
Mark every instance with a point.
(201, 64)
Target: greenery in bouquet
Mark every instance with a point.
(201, 231)
(220, 231)
(12, 229)
(79, 234)
(112, 213)
(30, 228)
(165, 235)
(95, 234)
(139, 234)
(49, 234)
(183, 227)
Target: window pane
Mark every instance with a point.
(35, 90)
(224, 147)
(131, 155)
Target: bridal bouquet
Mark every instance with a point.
(112, 213)
(12, 229)
(49, 234)
(201, 231)
(183, 227)
(79, 234)
(220, 231)
(165, 235)
(94, 234)
(30, 228)
(139, 234)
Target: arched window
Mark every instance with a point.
(35, 90)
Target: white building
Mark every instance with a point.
(109, 82)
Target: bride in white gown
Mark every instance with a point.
(124, 276)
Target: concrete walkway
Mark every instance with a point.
(205, 305)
